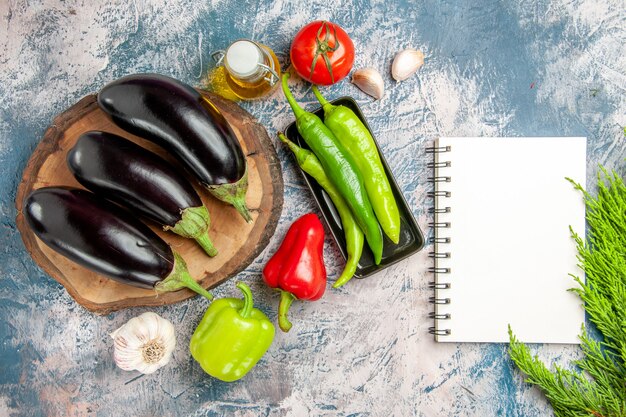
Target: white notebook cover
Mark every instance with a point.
(510, 245)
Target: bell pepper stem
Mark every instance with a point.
(297, 110)
(248, 302)
(179, 278)
(286, 298)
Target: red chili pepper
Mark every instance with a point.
(297, 268)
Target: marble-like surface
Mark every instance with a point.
(509, 68)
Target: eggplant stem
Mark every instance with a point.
(234, 194)
(180, 278)
(204, 241)
(194, 224)
(243, 210)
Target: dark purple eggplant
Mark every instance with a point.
(105, 238)
(127, 174)
(178, 118)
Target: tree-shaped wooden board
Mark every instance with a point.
(238, 242)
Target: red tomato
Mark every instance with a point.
(322, 53)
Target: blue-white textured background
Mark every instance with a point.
(511, 68)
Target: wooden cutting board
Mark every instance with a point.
(238, 242)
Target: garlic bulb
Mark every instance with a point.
(370, 81)
(406, 63)
(145, 343)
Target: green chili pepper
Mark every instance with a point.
(231, 337)
(341, 171)
(354, 236)
(359, 143)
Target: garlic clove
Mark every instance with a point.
(145, 343)
(369, 81)
(149, 326)
(406, 63)
(128, 362)
(148, 369)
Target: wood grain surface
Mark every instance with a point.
(238, 242)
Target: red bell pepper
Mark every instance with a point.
(297, 268)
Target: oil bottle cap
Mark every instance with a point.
(243, 58)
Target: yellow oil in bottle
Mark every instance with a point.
(251, 88)
(216, 80)
(249, 71)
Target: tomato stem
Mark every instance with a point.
(323, 48)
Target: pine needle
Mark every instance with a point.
(598, 386)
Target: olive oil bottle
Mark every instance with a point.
(246, 70)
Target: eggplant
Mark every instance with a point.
(135, 178)
(178, 118)
(105, 238)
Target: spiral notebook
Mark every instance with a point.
(503, 250)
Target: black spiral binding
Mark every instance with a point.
(438, 181)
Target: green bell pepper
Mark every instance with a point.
(231, 337)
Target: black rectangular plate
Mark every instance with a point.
(411, 238)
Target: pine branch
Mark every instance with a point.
(599, 387)
(570, 394)
(602, 366)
